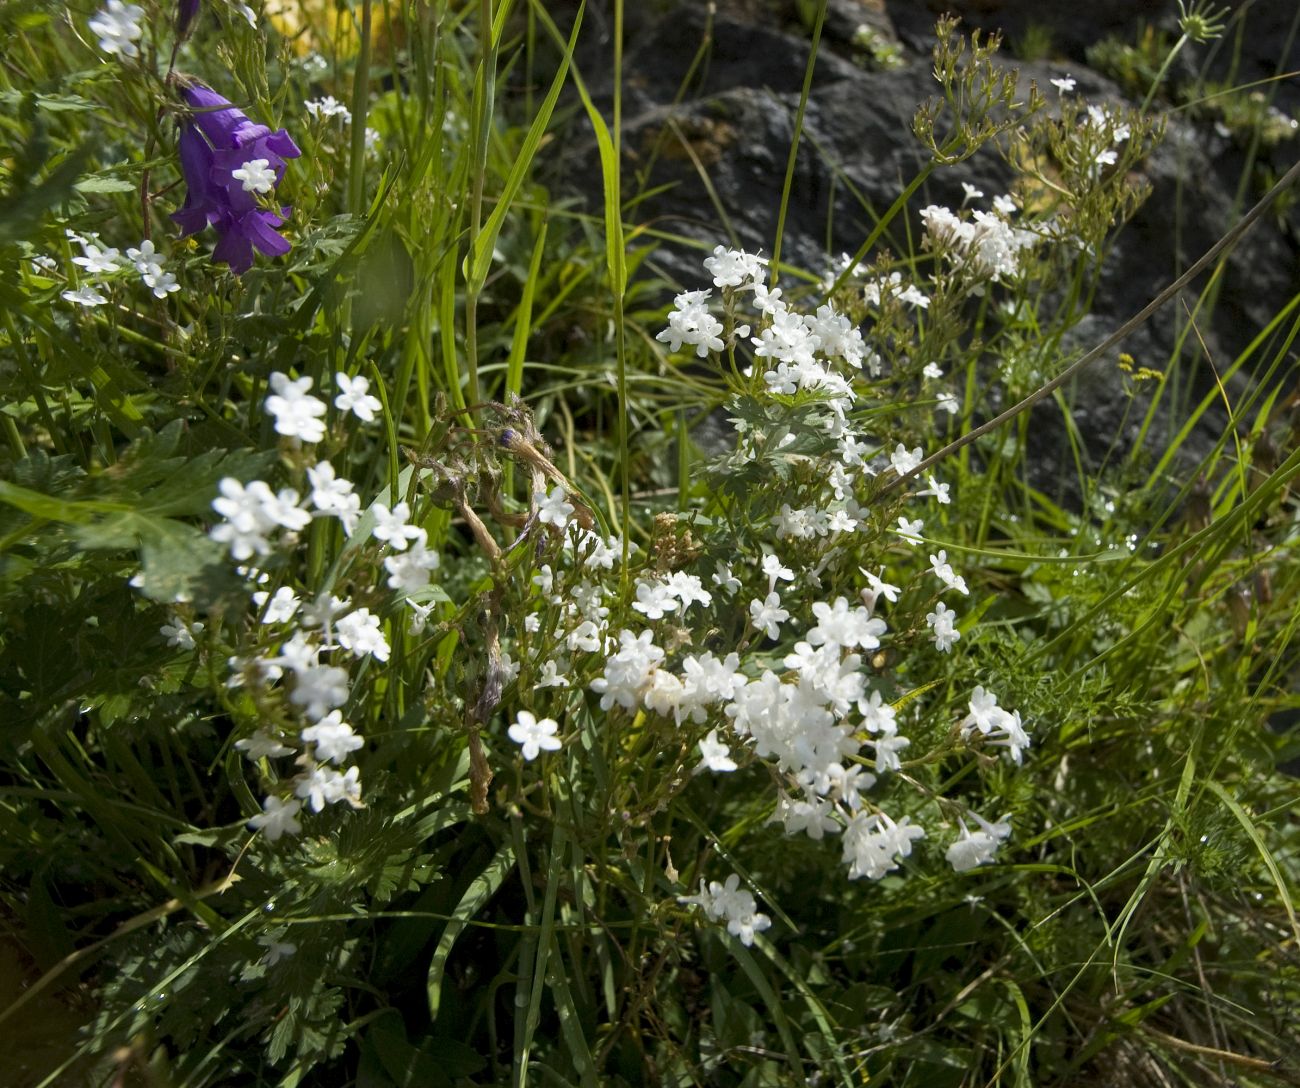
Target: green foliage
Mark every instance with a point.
(478, 917)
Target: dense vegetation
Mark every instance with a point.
(430, 657)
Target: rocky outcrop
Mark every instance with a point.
(709, 106)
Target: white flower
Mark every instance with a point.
(933, 487)
(392, 526)
(146, 259)
(321, 611)
(985, 714)
(329, 106)
(551, 677)
(262, 745)
(177, 634)
(932, 370)
(161, 283)
(628, 670)
(277, 818)
(297, 415)
(1004, 205)
(904, 460)
(724, 579)
(533, 735)
(734, 267)
(319, 689)
(278, 609)
(943, 571)
(85, 295)
(256, 175)
(354, 396)
(969, 192)
(333, 738)
(910, 530)
(409, 570)
(731, 902)
(551, 507)
(320, 786)
(716, 755)
(359, 633)
(118, 28)
(691, 323)
(333, 495)
(977, 847)
(419, 615)
(776, 570)
(946, 402)
(1105, 158)
(97, 261)
(879, 588)
(942, 622)
(1064, 85)
(768, 615)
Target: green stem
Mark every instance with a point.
(360, 105)
(794, 142)
(1160, 75)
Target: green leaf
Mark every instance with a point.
(482, 888)
(101, 183)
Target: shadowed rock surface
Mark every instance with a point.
(709, 111)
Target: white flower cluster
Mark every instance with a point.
(327, 107)
(732, 903)
(101, 263)
(117, 26)
(986, 244)
(328, 625)
(1000, 726)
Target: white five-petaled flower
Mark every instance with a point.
(716, 756)
(768, 615)
(358, 632)
(393, 526)
(533, 735)
(256, 175)
(354, 396)
(85, 295)
(333, 738)
(161, 283)
(910, 530)
(277, 818)
(118, 27)
(552, 509)
(297, 414)
(97, 261)
(146, 259)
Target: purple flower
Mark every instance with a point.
(186, 10)
(218, 142)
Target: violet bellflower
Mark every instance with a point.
(217, 141)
